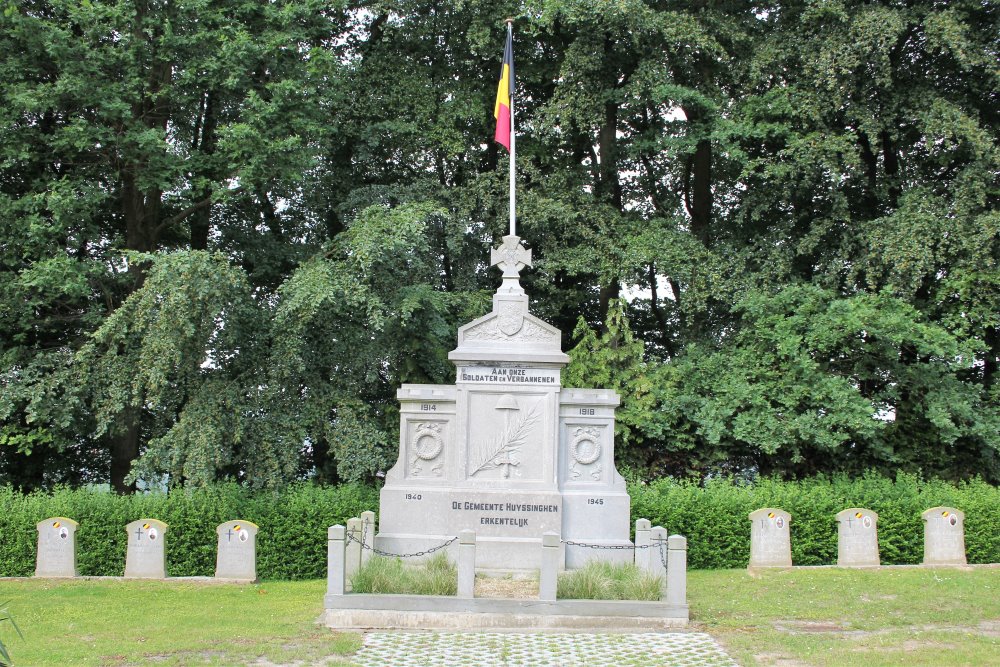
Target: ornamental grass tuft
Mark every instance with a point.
(608, 581)
(436, 576)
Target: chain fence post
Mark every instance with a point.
(353, 557)
(658, 557)
(335, 560)
(642, 543)
(677, 570)
(466, 563)
(549, 575)
(367, 535)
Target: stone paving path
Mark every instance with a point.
(494, 649)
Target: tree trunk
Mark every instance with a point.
(205, 142)
(124, 450)
(990, 360)
(698, 179)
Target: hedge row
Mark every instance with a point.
(713, 516)
(292, 539)
(291, 543)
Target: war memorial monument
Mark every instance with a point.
(506, 451)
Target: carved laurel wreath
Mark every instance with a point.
(428, 443)
(586, 447)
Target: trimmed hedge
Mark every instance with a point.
(291, 543)
(713, 516)
(292, 539)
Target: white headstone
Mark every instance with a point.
(506, 451)
(857, 532)
(236, 557)
(770, 538)
(56, 556)
(146, 557)
(944, 536)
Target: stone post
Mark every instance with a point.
(466, 563)
(353, 557)
(335, 560)
(944, 536)
(642, 558)
(367, 535)
(857, 533)
(770, 539)
(658, 556)
(549, 575)
(56, 555)
(677, 570)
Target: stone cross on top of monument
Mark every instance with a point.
(511, 257)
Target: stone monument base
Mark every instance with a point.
(430, 612)
(508, 524)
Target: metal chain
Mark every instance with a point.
(606, 546)
(387, 554)
(659, 544)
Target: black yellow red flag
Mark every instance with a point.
(502, 108)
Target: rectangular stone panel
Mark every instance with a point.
(507, 524)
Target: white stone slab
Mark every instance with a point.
(857, 532)
(236, 553)
(146, 557)
(770, 538)
(56, 556)
(944, 536)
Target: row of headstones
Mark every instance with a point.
(146, 557)
(857, 537)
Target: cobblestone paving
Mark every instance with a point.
(486, 649)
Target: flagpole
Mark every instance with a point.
(510, 36)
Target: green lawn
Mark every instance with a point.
(167, 623)
(830, 616)
(821, 616)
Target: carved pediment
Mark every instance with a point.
(527, 331)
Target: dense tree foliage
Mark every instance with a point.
(229, 230)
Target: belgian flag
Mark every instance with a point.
(502, 109)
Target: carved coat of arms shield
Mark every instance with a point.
(511, 319)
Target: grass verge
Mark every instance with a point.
(435, 576)
(823, 617)
(86, 622)
(608, 581)
(830, 616)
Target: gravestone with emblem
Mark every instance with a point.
(944, 536)
(146, 557)
(857, 533)
(236, 556)
(56, 556)
(770, 538)
(506, 451)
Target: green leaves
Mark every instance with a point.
(796, 203)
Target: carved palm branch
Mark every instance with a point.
(508, 442)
